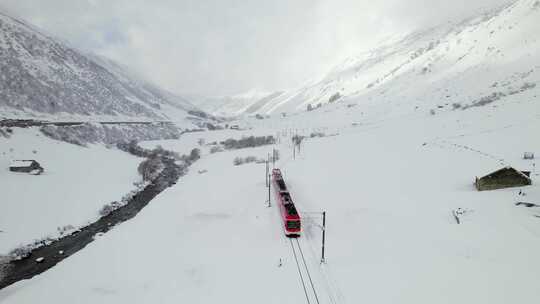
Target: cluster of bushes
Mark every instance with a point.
(216, 149)
(24, 251)
(248, 142)
(5, 132)
(246, 160)
(244, 142)
(193, 156)
(456, 105)
(317, 134)
(297, 139)
(150, 168)
(259, 116)
(107, 209)
(252, 159)
(65, 229)
(133, 148)
(334, 97)
(310, 107)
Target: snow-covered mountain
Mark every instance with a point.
(455, 65)
(43, 77)
(391, 162)
(244, 103)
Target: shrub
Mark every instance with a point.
(246, 160)
(334, 97)
(238, 161)
(195, 154)
(250, 159)
(107, 209)
(24, 251)
(248, 142)
(150, 168)
(216, 149)
(297, 139)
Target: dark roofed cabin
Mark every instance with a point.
(503, 178)
(26, 166)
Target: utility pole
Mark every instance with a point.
(273, 158)
(269, 203)
(266, 174)
(323, 235)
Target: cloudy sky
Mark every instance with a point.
(213, 47)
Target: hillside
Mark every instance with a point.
(45, 78)
(456, 65)
(234, 105)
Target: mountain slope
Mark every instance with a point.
(248, 102)
(41, 76)
(487, 57)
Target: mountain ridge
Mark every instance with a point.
(43, 77)
(488, 48)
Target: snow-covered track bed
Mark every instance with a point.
(303, 272)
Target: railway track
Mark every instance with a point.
(303, 272)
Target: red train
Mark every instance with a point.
(289, 214)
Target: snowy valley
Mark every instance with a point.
(392, 144)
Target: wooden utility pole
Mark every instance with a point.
(266, 174)
(267, 171)
(269, 203)
(323, 235)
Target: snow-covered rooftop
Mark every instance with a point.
(21, 163)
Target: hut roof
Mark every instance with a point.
(505, 169)
(21, 163)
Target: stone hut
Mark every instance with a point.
(503, 178)
(25, 165)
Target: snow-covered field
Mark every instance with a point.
(76, 183)
(388, 183)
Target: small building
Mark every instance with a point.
(25, 165)
(528, 155)
(503, 178)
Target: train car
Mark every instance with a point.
(288, 212)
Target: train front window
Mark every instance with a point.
(293, 224)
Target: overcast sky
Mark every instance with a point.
(212, 47)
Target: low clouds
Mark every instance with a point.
(225, 47)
